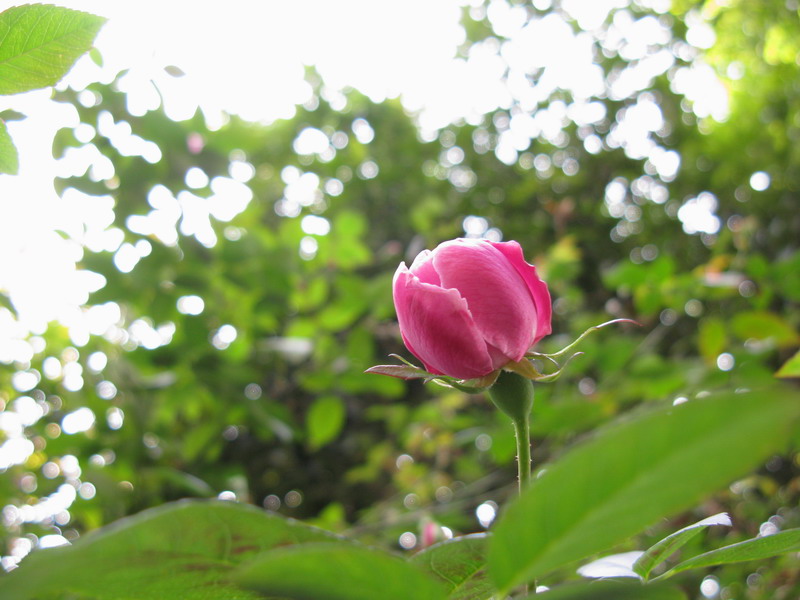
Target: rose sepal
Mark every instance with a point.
(524, 367)
(553, 357)
(551, 377)
(409, 371)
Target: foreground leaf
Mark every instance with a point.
(632, 473)
(660, 551)
(40, 43)
(791, 368)
(9, 160)
(337, 571)
(460, 564)
(183, 550)
(755, 549)
(610, 590)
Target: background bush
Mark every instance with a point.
(262, 397)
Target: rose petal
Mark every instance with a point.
(538, 288)
(422, 268)
(497, 296)
(438, 329)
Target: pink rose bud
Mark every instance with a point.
(469, 307)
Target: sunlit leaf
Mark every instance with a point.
(9, 160)
(337, 571)
(460, 564)
(183, 550)
(39, 44)
(663, 549)
(755, 549)
(634, 472)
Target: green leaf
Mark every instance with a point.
(460, 564)
(324, 420)
(182, 550)
(660, 551)
(712, 338)
(755, 549)
(791, 368)
(174, 71)
(610, 590)
(762, 325)
(634, 472)
(9, 160)
(337, 571)
(12, 115)
(40, 43)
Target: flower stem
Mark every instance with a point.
(513, 394)
(522, 430)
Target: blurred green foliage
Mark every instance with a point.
(262, 394)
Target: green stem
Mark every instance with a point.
(522, 430)
(513, 394)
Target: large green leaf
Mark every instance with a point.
(183, 550)
(755, 549)
(663, 549)
(610, 590)
(337, 571)
(461, 564)
(9, 160)
(39, 43)
(632, 473)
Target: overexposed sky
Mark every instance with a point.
(247, 57)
